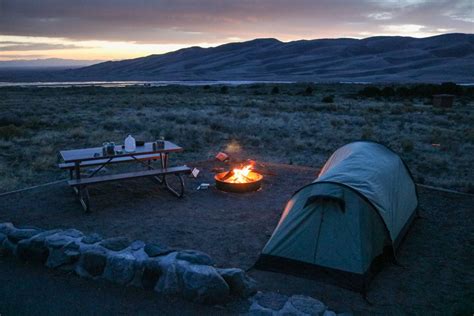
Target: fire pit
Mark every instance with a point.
(239, 180)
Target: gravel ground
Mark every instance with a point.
(437, 255)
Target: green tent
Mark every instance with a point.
(343, 226)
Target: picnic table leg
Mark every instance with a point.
(77, 171)
(164, 165)
(84, 198)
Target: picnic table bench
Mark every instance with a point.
(74, 160)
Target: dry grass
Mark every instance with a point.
(291, 124)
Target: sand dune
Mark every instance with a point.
(448, 57)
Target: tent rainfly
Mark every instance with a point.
(345, 224)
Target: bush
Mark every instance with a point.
(224, 90)
(309, 90)
(370, 92)
(10, 131)
(206, 87)
(328, 99)
(387, 92)
(407, 145)
(275, 90)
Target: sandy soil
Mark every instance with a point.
(437, 255)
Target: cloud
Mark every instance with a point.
(215, 21)
(380, 16)
(22, 46)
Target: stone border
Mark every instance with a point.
(189, 274)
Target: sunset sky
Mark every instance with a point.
(119, 29)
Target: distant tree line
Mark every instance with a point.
(416, 91)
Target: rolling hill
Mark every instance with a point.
(448, 57)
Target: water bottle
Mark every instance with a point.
(130, 144)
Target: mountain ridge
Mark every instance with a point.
(441, 58)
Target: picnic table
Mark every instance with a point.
(77, 159)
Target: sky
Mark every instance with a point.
(121, 29)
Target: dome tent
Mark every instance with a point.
(342, 226)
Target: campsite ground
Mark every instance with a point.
(290, 125)
(437, 253)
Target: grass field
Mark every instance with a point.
(288, 123)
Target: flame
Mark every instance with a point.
(242, 175)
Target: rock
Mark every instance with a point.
(29, 250)
(151, 274)
(258, 310)
(329, 313)
(270, 300)
(8, 248)
(17, 234)
(154, 250)
(305, 305)
(74, 233)
(91, 239)
(120, 268)
(345, 314)
(168, 283)
(239, 283)
(137, 245)
(5, 228)
(58, 240)
(196, 257)
(115, 243)
(92, 262)
(202, 284)
(2, 237)
(69, 254)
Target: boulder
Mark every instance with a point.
(329, 313)
(151, 274)
(8, 248)
(17, 234)
(154, 250)
(2, 237)
(74, 233)
(115, 243)
(120, 268)
(304, 305)
(92, 262)
(91, 239)
(196, 257)
(168, 283)
(137, 245)
(270, 300)
(203, 284)
(67, 255)
(29, 250)
(59, 240)
(258, 310)
(239, 283)
(5, 228)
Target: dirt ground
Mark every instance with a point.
(437, 255)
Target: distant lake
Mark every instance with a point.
(111, 84)
(116, 84)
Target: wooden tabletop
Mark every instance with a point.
(78, 155)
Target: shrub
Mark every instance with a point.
(387, 92)
(206, 87)
(10, 131)
(407, 145)
(370, 92)
(11, 119)
(224, 90)
(275, 90)
(309, 90)
(328, 99)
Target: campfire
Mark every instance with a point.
(241, 179)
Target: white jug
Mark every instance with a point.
(130, 144)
